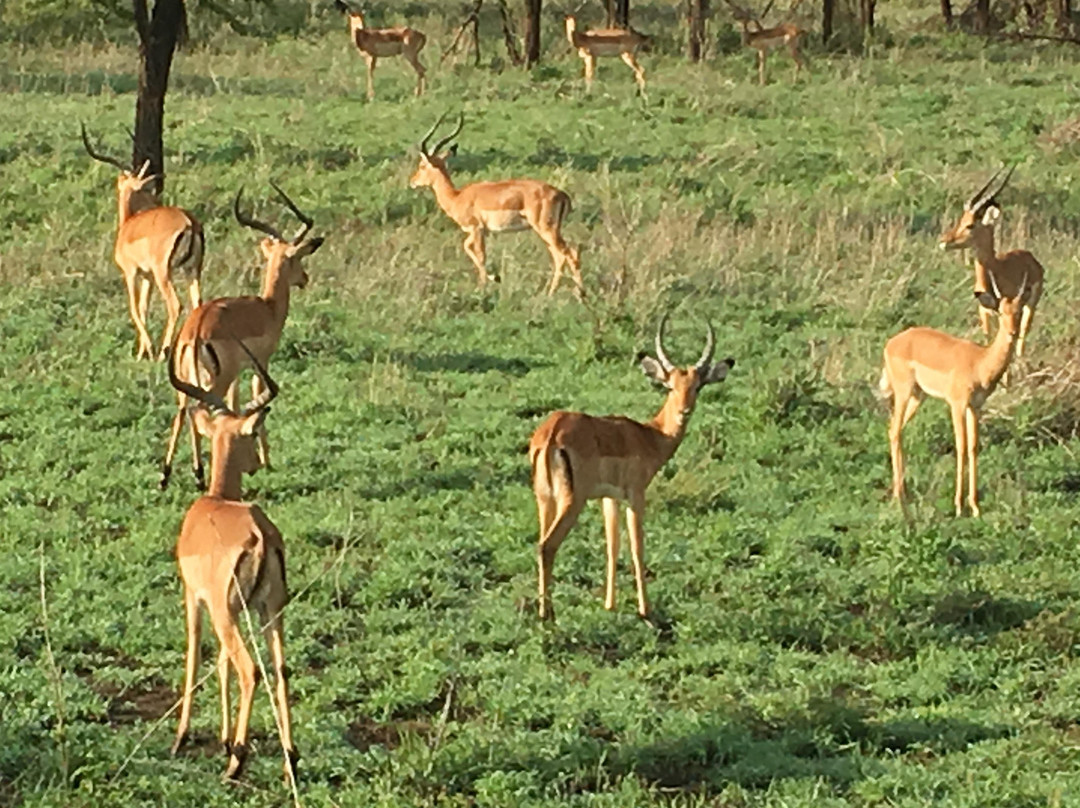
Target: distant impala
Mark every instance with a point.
(375, 42)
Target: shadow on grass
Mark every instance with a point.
(447, 362)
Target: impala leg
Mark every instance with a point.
(796, 54)
(244, 665)
(984, 320)
(611, 532)
(635, 515)
(1025, 326)
(195, 293)
(257, 387)
(371, 60)
(414, 60)
(960, 432)
(226, 713)
(568, 512)
(639, 71)
(143, 291)
(590, 69)
(172, 308)
(275, 640)
(174, 438)
(904, 406)
(146, 345)
(191, 665)
(474, 248)
(232, 395)
(971, 421)
(761, 67)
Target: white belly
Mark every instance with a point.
(503, 220)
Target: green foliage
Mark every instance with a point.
(815, 649)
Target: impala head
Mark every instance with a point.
(286, 252)
(684, 384)
(357, 17)
(232, 434)
(981, 212)
(1010, 309)
(129, 184)
(433, 160)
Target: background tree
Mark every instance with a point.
(618, 13)
(532, 31)
(696, 13)
(160, 32)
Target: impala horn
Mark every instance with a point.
(254, 224)
(707, 355)
(661, 355)
(307, 220)
(101, 158)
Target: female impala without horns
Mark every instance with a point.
(577, 457)
(924, 362)
(482, 207)
(152, 242)
(1010, 270)
(376, 42)
(208, 352)
(230, 556)
(621, 42)
(764, 39)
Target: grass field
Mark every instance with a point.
(819, 651)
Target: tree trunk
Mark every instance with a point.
(696, 11)
(866, 16)
(946, 13)
(827, 8)
(982, 16)
(532, 31)
(618, 13)
(159, 36)
(1063, 13)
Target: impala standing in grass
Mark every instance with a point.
(577, 457)
(621, 42)
(375, 42)
(1010, 270)
(153, 242)
(482, 207)
(762, 39)
(231, 556)
(208, 352)
(924, 362)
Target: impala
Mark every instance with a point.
(231, 556)
(482, 207)
(621, 42)
(207, 342)
(1010, 270)
(577, 457)
(924, 362)
(764, 39)
(152, 242)
(376, 42)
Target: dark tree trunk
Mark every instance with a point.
(827, 8)
(1063, 12)
(696, 11)
(866, 16)
(946, 13)
(982, 16)
(532, 31)
(622, 13)
(159, 35)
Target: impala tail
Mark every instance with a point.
(884, 386)
(551, 469)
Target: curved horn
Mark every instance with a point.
(101, 158)
(267, 395)
(424, 140)
(661, 355)
(452, 135)
(307, 220)
(1004, 181)
(980, 196)
(254, 224)
(215, 403)
(710, 347)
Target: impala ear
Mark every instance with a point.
(254, 421)
(991, 214)
(652, 368)
(308, 247)
(451, 152)
(204, 422)
(717, 372)
(987, 300)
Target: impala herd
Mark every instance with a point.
(230, 554)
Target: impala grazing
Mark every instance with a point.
(376, 42)
(230, 556)
(764, 39)
(152, 242)
(621, 42)
(1010, 270)
(577, 457)
(208, 352)
(924, 362)
(482, 207)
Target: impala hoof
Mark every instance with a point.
(163, 480)
(178, 744)
(237, 756)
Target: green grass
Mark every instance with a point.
(821, 652)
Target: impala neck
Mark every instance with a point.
(445, 192)
(995, 360)
(670, 423)
(226, 474)
(123, 199)
(982, 244)
(276, 289)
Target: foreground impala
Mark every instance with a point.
(208, 354)
(1010, 270)
(577, 457)
(763, 40)
(923, 362)
(376, 42)
(480, 207)
(621, 42)
(152, 242)
(231, 556)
